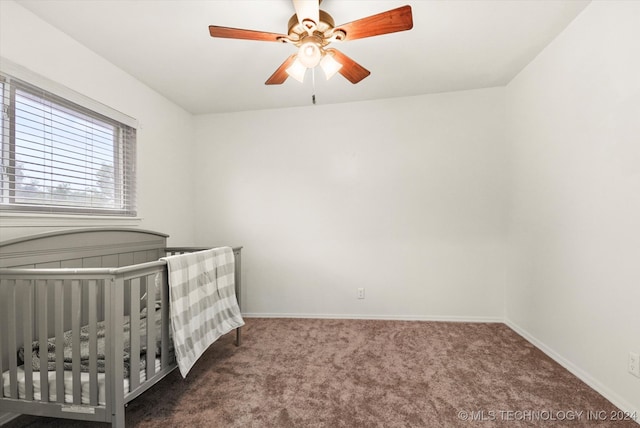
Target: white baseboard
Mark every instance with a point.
(607, 393)
(376, 317)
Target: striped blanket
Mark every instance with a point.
(203, 303)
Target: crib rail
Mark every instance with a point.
(171, 251)
(37, 307)
(44, 304)
(39, 304)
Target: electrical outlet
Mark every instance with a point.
(360, 293)
(634, 364)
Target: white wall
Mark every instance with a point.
(404, 197)
(574, 128)
(408, 197)
(165, 194)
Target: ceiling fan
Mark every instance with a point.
(311, 30)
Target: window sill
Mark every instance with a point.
(8, 220)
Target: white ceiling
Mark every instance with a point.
(454, 45)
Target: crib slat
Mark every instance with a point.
(93, 343)
(27, 329)
(117, 369)
(59, 333)
(109, 385)
(238, 284)
(134, 344)
(41, 290)
(3, 322)
(11, 333)
(164, 299)
(151, 327)
(76, 314)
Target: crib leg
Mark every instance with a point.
(238, 337)
(118, 419)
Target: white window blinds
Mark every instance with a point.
(60, 157)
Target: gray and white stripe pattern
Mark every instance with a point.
(203, 303)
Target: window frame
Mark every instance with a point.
(124, 152)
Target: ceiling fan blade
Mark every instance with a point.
(391, 21)
(350, 69)
(280, 75)
(307, 9)
(237, 33)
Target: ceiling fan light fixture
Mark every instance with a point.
(311, 30)
(329, 65)
(309, 54)
(297, 70)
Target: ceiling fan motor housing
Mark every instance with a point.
(323, 30)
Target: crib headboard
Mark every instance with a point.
(82, 248)
(79, 248)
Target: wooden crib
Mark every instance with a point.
(102, 291)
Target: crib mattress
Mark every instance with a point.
(68, 385)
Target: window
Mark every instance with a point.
(60, 157)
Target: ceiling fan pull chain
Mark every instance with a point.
(313, 84)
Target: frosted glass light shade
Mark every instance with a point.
(297, 70)
(309, 54)
(329, 65)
